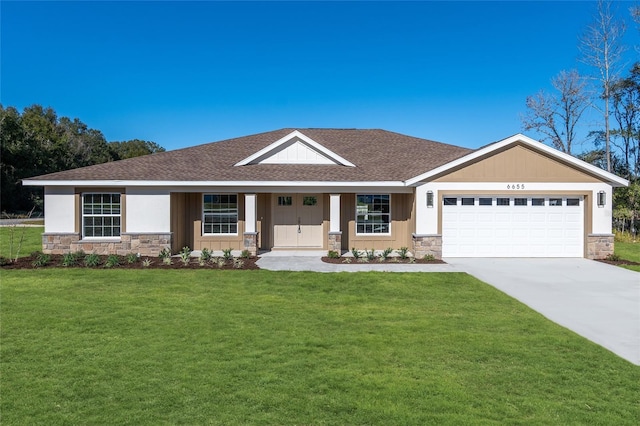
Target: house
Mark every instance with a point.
(336, 189)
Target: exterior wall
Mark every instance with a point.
(148, 210)
(599, 246)
(60, 210)
(402, 207)
(143, 244)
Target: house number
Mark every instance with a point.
(516, 186)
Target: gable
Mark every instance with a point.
(517, 163)
(295, 148)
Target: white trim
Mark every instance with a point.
(250, 213)
(84, 215)
(604, 175)
(209, 234)
(372, 234)
(296, 134)
(221, 183)
(334, 213)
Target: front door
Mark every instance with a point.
(297, 221)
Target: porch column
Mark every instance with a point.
(250, 214)
(335, 234)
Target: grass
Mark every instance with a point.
(628, 251)
(260, 347)
(32, 240)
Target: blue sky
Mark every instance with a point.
(182, 74)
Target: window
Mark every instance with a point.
(309, 201)
(101, 215)
(373, 214)
(220, 214)
(467, 201)
(285, 201)
(537, 201)
(555, 201)
(450, 201)
(573, 202)
(519, 201)
(485, 201)
(502, 201)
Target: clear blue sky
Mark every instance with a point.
(182, 74)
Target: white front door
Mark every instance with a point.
(297, 221)
(508, 226)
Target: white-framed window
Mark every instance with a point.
(101, 215)
(220, 214)
(373, 214)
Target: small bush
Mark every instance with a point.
(185, 255)
(370, 254)
(429, 257)
(347, 260)
(613, 257)
(386, 253)
(363, 259)
(146, 263)
(164, 253)
(238, 263)
(41, 260)
(356, 253)
(4, 261)
(403, 252)
(132, 258)
(69, 259)
(220, 262)
(245, 254)
(91, 260)
(333, 254)
(226, 253)
(112, 261)
(167, 261)
(205, 255)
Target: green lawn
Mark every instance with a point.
(628, 251)
(10, 237)
(257, 347)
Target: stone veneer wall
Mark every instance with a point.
(335, 242)
(599, 246)
(144, 244)
(251, 242)
(427, 244)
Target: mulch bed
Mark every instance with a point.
(156, 263)
(618, 262)
(389, 260)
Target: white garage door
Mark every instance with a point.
(507, 226)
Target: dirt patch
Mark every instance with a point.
(57, 261)
(390, 261)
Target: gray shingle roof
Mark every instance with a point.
(378, 155)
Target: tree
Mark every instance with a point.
(601, 49)
(626, 110)
(132, 148)
(555, 116)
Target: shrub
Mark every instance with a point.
(91, 260)
(69, 259)
(333, 254)
(205, 255)
(112, 260)
(185, 255)
(356, 253)
(370, 254)
(386, 253)
(164, 253)
(429, 257)
(146, 263)
(245, 254)
(403, 252)
(132, 258)
(167, 261)
(613, 257)
(226, 253)
(4, 261)
(347, 260)
(238, 263)
(220, 262)
(41, 260)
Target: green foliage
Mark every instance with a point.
(356, 253)
(42, 259)
(370, 254)
(132, 148)
(132, 258)
(347, 260)
(185, 255)
(70, 259)
(284, 348)
(386, 253)
(226, 253)
(91, 260)
(4, 261)
(429, 257)
(238, 263)
(220, 262)
(403, 252)
(112, 261)
(205, 255)
(167, 260)
(146, 262)
(246, 254)
(333, 254)
(164, 253)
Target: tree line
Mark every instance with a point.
(611, 87)
(37, 142)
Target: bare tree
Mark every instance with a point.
(555, 116)
(601, 48)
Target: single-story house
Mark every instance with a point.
(336, 189)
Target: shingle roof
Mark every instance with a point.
(378, 155)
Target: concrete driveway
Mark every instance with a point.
(598, 301)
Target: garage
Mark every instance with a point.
(512, 226)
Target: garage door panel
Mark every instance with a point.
(550, 230)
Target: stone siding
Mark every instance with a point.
(335, 242)
(599, 246)
(427, 244)
(251, 242)
(143, 244)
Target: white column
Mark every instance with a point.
(334, 215)
(250, 212)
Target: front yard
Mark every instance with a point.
(83, 346)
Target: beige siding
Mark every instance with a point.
(402, 221)
(517, 164)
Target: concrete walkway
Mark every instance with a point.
(595, 300)
(598, 301)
